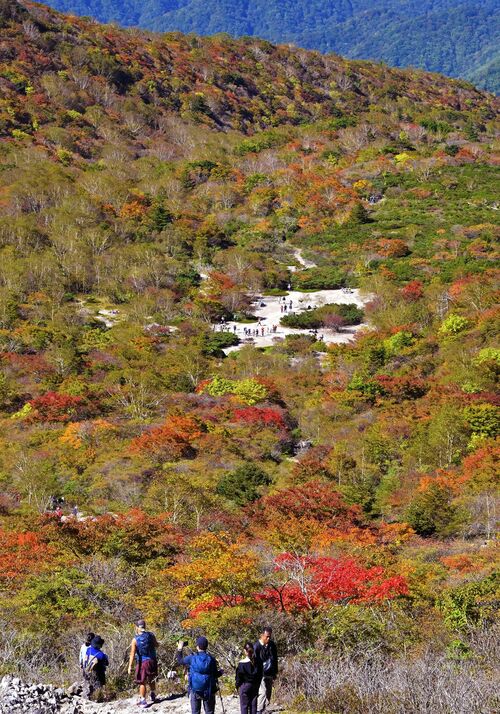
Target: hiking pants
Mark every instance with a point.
(248, 698)
(265, 691)
(91, 685)
(208, 704)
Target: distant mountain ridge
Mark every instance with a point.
(460, 39)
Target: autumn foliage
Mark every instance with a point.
(313, 582)
(171, 441)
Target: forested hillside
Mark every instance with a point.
(459, 39)
(155, 188)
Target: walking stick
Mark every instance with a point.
(221, 700)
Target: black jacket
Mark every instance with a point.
(248, 673)
(268, 655)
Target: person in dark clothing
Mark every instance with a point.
(94, 668)
(203, 675)
(143, 651)
(267, 653)
(248, 680)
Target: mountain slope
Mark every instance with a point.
(335, 482)
(224, 83)
(458, 39)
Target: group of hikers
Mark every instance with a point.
(255, 673)
(261, 329)
(58, 506)
(284, 305)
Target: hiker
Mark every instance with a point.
(203, 675)
(83, 649)
(248, 680)
(266, 652)
(94, 668)
(143, 651)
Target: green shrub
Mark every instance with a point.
(319, 317)
(215, 342)
(322, 278)
(432, 512)
(244, 484)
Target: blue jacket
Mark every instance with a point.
(102, 663)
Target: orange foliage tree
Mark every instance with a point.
(173, 440)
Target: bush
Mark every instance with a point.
(323, 278)
(323, 316)
(215, 342)
(454, 324)
(432, 512)
(243, 485)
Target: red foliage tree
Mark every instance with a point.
(311, 582)
(401, 388)
(173, 440)
(21, 554)
(266, 416)
(53, 406)
(316, 500)
(412, 292)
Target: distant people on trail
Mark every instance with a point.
(267, 653)
(248, 680)
(56, 503)
(94, 669)
(203, 675)
(143, 651)
(74, 511)
(83, 649)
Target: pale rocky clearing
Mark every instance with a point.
(268, 311)
(269, 315)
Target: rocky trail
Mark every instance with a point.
(19, 697)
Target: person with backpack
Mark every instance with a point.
(248, 680)
(94, 668)
(143, 650)
(267, 653)
(203, 675)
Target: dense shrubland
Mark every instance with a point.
(347, 497)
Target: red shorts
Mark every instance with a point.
(146, 672)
